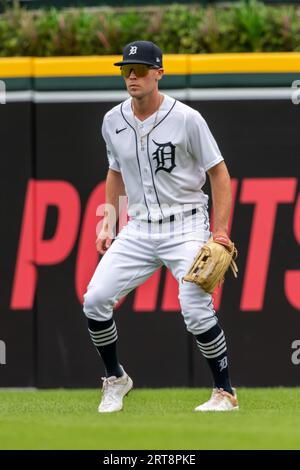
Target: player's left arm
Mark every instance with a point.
(221, 199)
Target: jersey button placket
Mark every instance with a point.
(146, 171)
(147, 182)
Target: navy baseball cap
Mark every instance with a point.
(141, 52)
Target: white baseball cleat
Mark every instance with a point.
(220, 401)
(113, 391)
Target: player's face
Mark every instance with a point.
(140, 79)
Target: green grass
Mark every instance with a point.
(152, 419)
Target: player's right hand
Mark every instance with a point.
(103, 241)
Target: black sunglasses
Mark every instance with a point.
(140, 70)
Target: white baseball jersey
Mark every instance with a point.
(163, 159)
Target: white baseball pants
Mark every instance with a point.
(137, 252)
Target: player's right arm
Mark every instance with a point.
(114, 187)
(113, 190)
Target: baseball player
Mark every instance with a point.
(159, 151)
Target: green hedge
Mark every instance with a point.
(243, 27)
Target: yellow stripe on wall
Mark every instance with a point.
(76, 66)
(269, 62)
(16, 67)
(174, 64)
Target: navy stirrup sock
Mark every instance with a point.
(212, 344)
(104, 337)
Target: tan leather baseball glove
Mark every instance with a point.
(211, 263)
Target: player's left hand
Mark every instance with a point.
(220, 236)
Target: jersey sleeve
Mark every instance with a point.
(201, 143)
(113, 162)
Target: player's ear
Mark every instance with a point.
(160, 73)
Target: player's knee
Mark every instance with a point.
(96, 304)
(198, 312)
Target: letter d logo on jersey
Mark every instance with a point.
(164, 156)
(133, 50)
